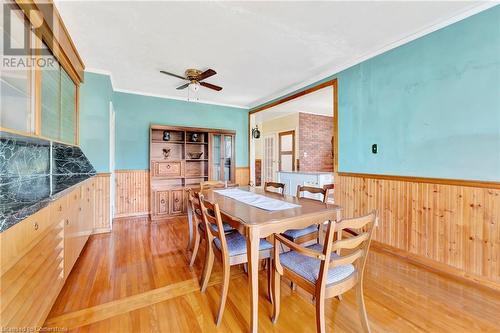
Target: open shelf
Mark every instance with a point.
(197, 160)
(170, 141)
(196, 143)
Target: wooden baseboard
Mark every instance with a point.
(438, 267)
(100, 231)
(128, 215)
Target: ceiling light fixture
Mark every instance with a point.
(194, 86)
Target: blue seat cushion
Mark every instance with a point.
(308, 267)
(237, 244)
(296, 233)
(226, 227)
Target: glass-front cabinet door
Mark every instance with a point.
(222, 157)
(228, 158)
(215, 165)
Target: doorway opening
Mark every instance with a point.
(298, 136)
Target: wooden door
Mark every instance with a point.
(286, 151)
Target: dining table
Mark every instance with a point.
(255, 223)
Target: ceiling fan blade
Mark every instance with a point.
(184, 86)
(211, 86)
(174, 75)
(206, 74)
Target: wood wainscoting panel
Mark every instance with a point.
(132, 193)
(102, 217)
(450, 225)
(242, 176)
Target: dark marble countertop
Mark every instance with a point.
(21, 197)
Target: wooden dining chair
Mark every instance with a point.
(197, 224)
(230, 248)
(322, 270)
(309, 233)
(280, 187)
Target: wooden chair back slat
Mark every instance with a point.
(312, 190)
(194, 203)
(209, 184)
(351, 242)
(347, 259)
(279, 186)
(211, 216)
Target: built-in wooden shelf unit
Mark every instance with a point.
(175, 166)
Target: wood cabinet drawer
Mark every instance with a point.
(161, 202)
(176, 202)
(168, 169)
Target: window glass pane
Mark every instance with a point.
(68, 108)
(286, 163)
(51, 100)
(287, 142)
(15, 82)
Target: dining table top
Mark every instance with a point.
(254, 216)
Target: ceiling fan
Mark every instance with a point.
(195, 78)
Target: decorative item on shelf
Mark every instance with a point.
(256, 132)
(195, 155)
(195, 137)
(166, 136)
(166, 153)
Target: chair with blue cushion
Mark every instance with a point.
(196, 224)
(309, 233)
(322, 270)
(230, 248)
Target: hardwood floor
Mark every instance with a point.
(137, 279)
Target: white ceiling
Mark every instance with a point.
(318, 102)
(259, 49)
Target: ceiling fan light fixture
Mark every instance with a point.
(194, 86)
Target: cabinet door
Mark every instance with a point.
(228, 158)
(177, 201)
(215, 157)
(161, 202)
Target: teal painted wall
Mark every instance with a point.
(95, 94)
(135, 113)
(432, 105)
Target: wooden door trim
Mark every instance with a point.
(280, 134)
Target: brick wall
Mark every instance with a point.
(315, 139)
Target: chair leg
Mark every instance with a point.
(293, 286)
(269, 280)
(225, 287)
(197, 241)
(207, 269)
(245, 268)
(276, 294)
(339, 297)
(320, 314)
(362, 308)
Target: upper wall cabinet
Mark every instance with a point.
(16, 83)
(40, 99)
(58, 104)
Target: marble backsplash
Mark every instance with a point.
(33, 171)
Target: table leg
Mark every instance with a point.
(253, 241)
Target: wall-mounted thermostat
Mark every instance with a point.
(374, 148)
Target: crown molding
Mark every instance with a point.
(142, 93)
(411, 37)
(200, 101)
